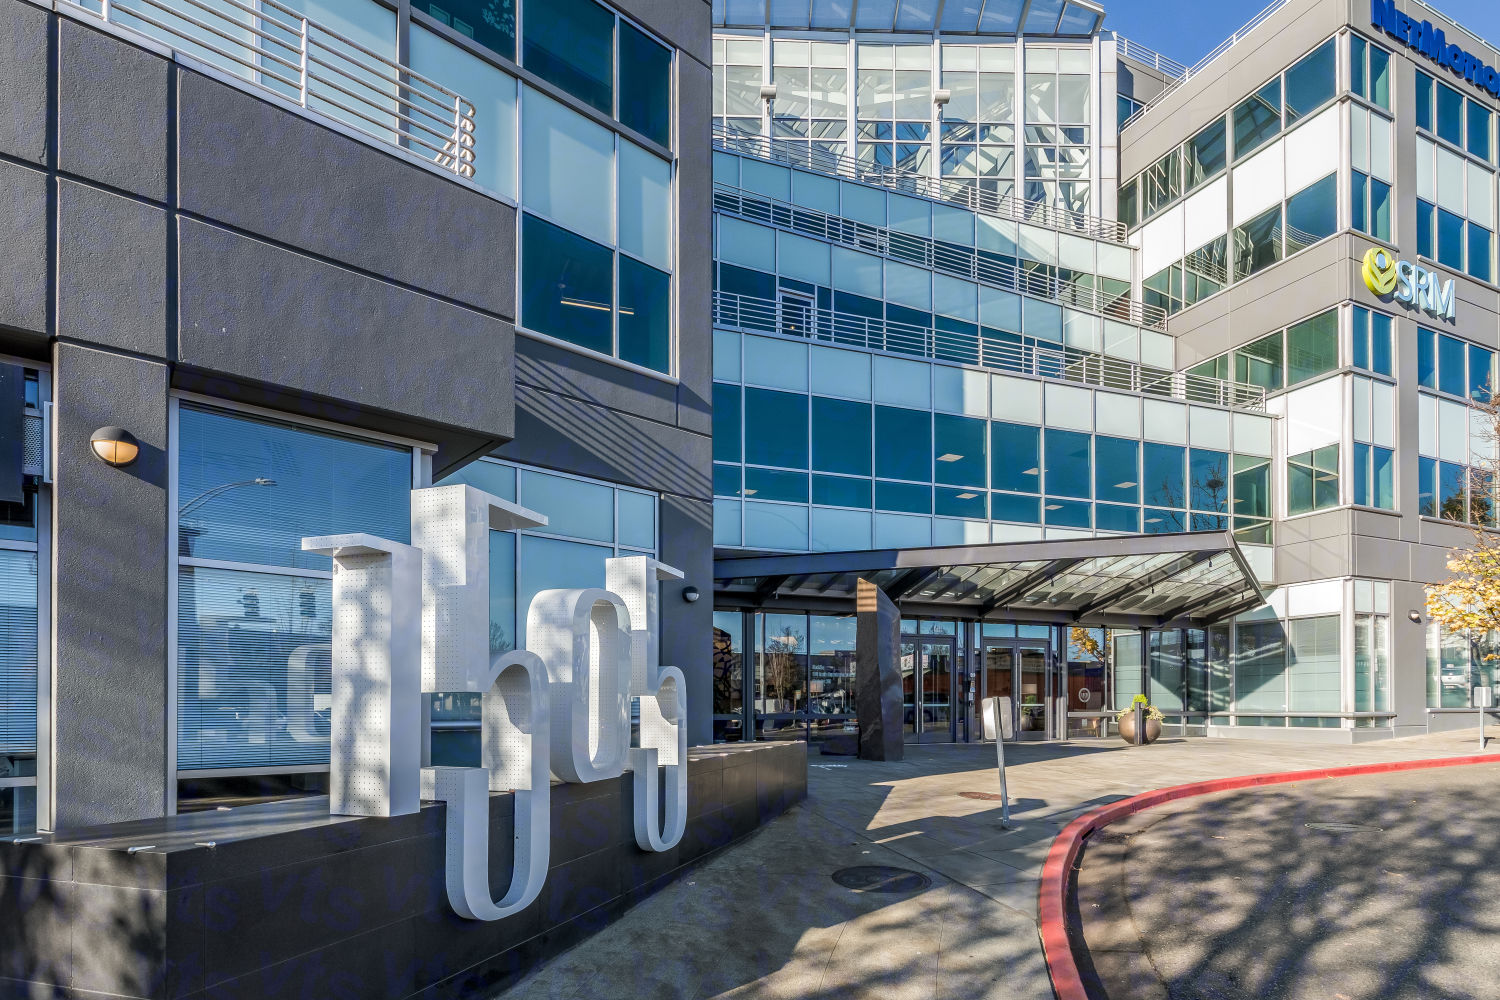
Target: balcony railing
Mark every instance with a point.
(1005, 353)
(1146, 56)
(993, 269)
(970, 196)
(1202, 64)
(273, 48)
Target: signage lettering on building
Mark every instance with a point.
(412, 620)
(1410, 283)
(1428, 40)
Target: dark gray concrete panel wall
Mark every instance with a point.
(111, 112)
(687, 542)
(23, 249)
(262, 313)
(252, 165)
(297, 905)
(695, 250)
(109, 584)
(112, 270)
(24, 52)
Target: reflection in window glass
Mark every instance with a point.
(728, 676)
(960, 450)
(1260, 671)
(1450, 239)
(1209, 471)
(1016, 457)
(903, 443)
(1313, 480)
(571, 43)
(772, 484)
(1312, 347)
(493, 94)
(841, 491)
(906, 498)
(573, 507)
(1067, 470)
(1481, 369)
(567, 288)
(645, 84)
(831, 673)
(1312, 214)
(1478, 130)
(18, 653)
(551, 564)
(1015, 507)
(1252, 486)
(1257, 243)
(1311, 82)
(1259, 363)
(1451, 377)
(1257, 119)
(1479, 252)
(1204, 154)
(1116, 471)
(1162, 469)
(645, 315)
(1425, 220)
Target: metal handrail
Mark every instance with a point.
(269, 46)
(972, 346)
(970, 196)
(993, 269)
(1146, 56)
(1202, 64)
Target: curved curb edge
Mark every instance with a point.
(1067, 984)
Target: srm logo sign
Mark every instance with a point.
(1407, 282)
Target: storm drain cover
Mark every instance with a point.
(986, 796)
(1343, 828)
(881, 878)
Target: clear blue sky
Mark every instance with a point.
(1185, 30)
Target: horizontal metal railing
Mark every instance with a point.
(1146, 56)
(801, 318)
(1202, 64)
(969, 196)
(274, 48)
(994, 269)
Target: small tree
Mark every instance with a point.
(1470, 599)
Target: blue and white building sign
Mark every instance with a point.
(1429, 41)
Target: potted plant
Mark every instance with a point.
(1125, 720)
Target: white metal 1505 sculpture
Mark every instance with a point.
(410, 620)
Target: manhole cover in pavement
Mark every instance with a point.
(881, 878)
(1343, 828)
(986, 796)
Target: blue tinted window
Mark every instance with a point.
(250, 490)
(1311, 81)
(571, 43)
(490, 24)
(1112, 517)
(1015, 507)
(1210, 479)
(770, 484)
(1479, 252)
(960, 451)
(1383, 476)
(903, 443)
(1427, 358)
(950, 502)
(1451, 366)
(1359, 355)
(1450, 114)
(1257, 118)
(1067, 472)
(840, 436)
(775, 428)
(1015, 457)
(1424, 101)
(1164, 521)
(645, 84)
(1380, 209)
(1209, 522)
(1478, 131)
(645, 315)
(1427, 487)
(1424, 229)
(1450, 239)
(1312, 214)
(1163, 475)
(726, 480)
(1067, 513)
(1452, 499)
(1117, 470)
(1362, 474)
(907, 497)
(726, 422)
(1358, 193)
(1481, 365)
(567, 286)
(1380, 343)
(837, 491)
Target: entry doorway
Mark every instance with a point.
(927, 679)
(1021, 670)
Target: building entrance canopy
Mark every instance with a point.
(1194, 578)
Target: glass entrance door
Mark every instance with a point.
(1017, 670)
(927, 678)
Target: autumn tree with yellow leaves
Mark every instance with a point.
(1470, 598)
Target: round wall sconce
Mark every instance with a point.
(690, 594)
(1414, 616)
(115, 446)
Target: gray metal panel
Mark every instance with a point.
(24, 274)
(110, 580)
(112, 270)
(23, 81)
(112, 111)
(687, 24)
(261, 313)
(259, 168)
(553, 368)
(694, 253)
(685, 541)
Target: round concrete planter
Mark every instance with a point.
(1127, 729)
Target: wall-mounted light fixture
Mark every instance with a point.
(690, 594)
(115, 446)
(1415, 616)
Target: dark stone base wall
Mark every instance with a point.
(291, 903)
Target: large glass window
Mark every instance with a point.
(1260, 671)
(567, 285)
(1117, 470)
(571, 43)
(841, 436)
(253, 663)
(1372, 341)
(1257, 119)
(1257, 243)
(1312, 347)
(1311, 82)
(1260, 363)
(491, 23)
(1313, 673)
(961, 458)
(903, 443)
(1312, 480)
(1312, 214)
(645, 334)
(1015, 451)
(1067, 470)
(18, 659)
(1163, 480)
(1204, 155)
(492, 92)
(728, 676)
(645, 84)
(1370, 71)
(776, 428)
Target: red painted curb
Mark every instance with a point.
(1057, 869)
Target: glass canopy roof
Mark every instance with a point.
(1127, 580)
(1002, 17)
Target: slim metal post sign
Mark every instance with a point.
(410, 620)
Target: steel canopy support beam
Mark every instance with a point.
(910, 582)
(769, 586)
(1178, 565)
(1027, 582)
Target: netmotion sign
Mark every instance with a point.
(1428, 40)
(1407, 282)
(409, 620)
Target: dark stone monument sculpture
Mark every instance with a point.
(877, 674)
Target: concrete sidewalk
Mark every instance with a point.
(765, 919)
